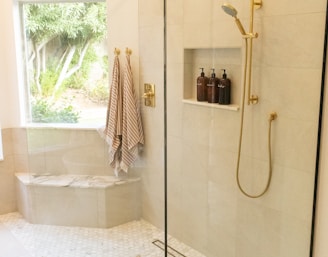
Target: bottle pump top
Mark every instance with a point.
(202, 73)
(213, 73)
(224, 74)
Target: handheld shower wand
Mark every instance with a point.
(230, 10)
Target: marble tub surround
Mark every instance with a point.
(78, 200)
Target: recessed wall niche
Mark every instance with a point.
(229, 59)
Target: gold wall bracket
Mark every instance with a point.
(257, 4)
(254, 99)
(149, 94)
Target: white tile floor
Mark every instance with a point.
(127, 240)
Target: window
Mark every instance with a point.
(66, 62)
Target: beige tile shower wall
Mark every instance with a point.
(14, 150)
(206, 210)
(141, 29)
(7, 191)
(67, 151)
(151, 35)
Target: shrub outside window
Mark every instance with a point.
(66, 62)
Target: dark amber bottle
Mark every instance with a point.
(212, 88)
(224, 89)
(202, 82)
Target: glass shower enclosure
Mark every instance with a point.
(183, 196)
(206, 208)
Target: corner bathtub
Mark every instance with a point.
(78, 200)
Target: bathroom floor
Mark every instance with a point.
(128, 240)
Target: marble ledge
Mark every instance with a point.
(230, 107)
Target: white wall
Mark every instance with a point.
(125, 34)
(9, 97)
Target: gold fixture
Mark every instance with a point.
(128, 51)
(272, 117)
(149, 94)
(253, 5)
(257, 4)
(117, 51)
(251, 99)
(254, 99)
(230, 10)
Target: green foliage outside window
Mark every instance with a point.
(61, 41)
(43, 112)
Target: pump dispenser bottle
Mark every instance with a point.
(224, 89)
(202, 82)
(212, 88)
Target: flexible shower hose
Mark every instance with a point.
(272, 117)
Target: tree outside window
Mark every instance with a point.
(66, 61)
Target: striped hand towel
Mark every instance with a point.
(132, 132)
(113, 129)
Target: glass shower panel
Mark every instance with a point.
(207, 212)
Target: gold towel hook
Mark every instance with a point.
(128, 51)
(117, 51)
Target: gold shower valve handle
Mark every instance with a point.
(149, 95)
